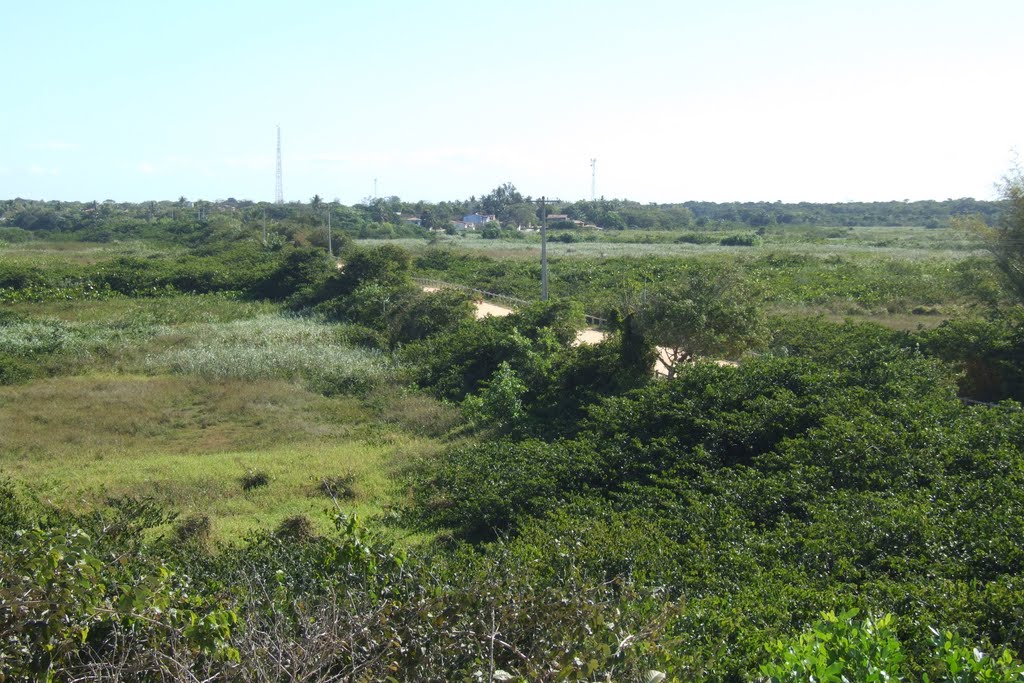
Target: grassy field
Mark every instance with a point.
(188, 443)
(50, 253)
(180, 398)
(903, 242)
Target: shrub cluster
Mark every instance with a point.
(760, 495)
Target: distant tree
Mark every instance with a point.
(522, 214)
(613, 221)
(316, 202)
(382, 210)
(711, 314)
(435, 218)
(500, 200)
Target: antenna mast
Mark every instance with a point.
(279, 187)
(593, 180)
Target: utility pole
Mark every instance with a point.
(543, 250)
(544, 247)
(264, 227)
(278, 184)
(330, 246)
(593, 180)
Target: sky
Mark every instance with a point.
(677, 100)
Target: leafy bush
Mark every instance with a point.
(430, 313)
(76, 602)
(456, 362)
(298, 276)
(836, 649)
(988, 350)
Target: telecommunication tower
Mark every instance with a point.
(593, 180)
(279, 187)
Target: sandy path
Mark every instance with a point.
(484, 309)
(589, 337)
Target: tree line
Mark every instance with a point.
(192, 221)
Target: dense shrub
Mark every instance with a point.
(298, 276)
(337, 607)
(14, 235)
(775, 490)
(989, 351)
(739, 240)
(430, 313)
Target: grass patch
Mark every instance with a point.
(273, 347)
(166, 310)
(70, 417)
(187, 443)
(341, 487)
(50, 253)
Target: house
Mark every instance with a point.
(478, 218)
(414, 220)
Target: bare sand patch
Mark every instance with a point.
(484, 309)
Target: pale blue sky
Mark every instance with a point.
(732, 100)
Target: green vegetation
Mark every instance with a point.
(226, 457)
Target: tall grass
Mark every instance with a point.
(272, 347)
(30, 338)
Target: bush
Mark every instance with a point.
(15, 370)
(15, 235)
(254, 480)
(835, 649)
(428, 313)
(193, 530)
(299, 274)
(988, 350)
(740, 241)
(296, 528)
